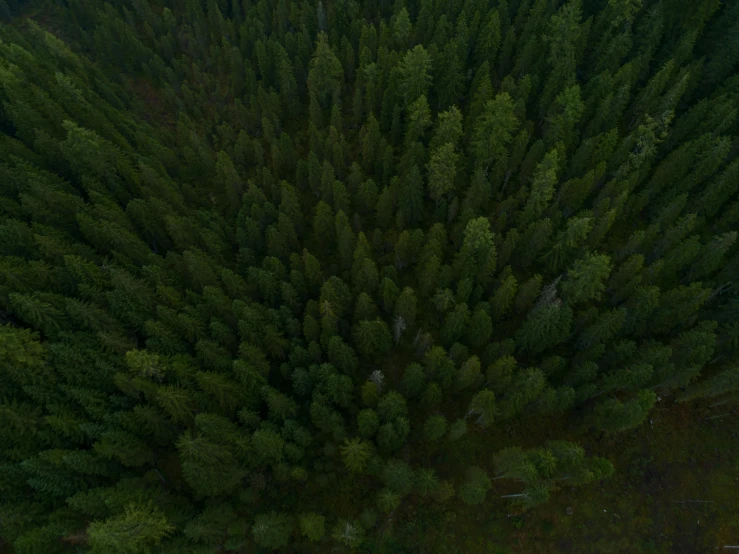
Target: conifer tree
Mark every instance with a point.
(272, 530)
(312, 526)
(585, 279)
(138, 529)
(415, 75)
(615, 416)
(326, 73)
(435, 427)
(475, 486)
(355, 454)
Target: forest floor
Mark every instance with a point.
(674, 490)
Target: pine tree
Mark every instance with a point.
(475, 486)
(469, 373)
(415, 75)
(414, 379)
(367, 422)
(492, 132)
(312, 526)
(723, 383)
(348, 533)
(489, 40)
(457, 430)
(138, 529)
(585, 278)
(272, 530)
(615, 416)
(450, 82)
(442, 171)
(477, 256)
(542, 189)
(435, 428)
(709, 258)
(479, 329)
(388, 500)
(391, 406)
(483, 406)
(373, 337)
(398, 477)
(544, 328)
(356, 454)
(326, 74)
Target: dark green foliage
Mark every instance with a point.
(348, 533)
(457, 430)
(272, 530)
(138, 529)
(367, 422)
(398, 477)
(312, 526)
(435, 427)
(414, 379)
(615, 416)
(475, 486)
(372, 337)
(388, 500)
(251, 252)
(540, 470)
(392, 406)
(585, 280)
(544, 328)
(483, 405)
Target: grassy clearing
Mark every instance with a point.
(674, 491)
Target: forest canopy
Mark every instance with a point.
(264, 264)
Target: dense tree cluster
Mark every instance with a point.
(255, 254)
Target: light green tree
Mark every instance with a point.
(356, 453)
(415, 73)
(312, 526)
(326, 73)
(137, 530)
